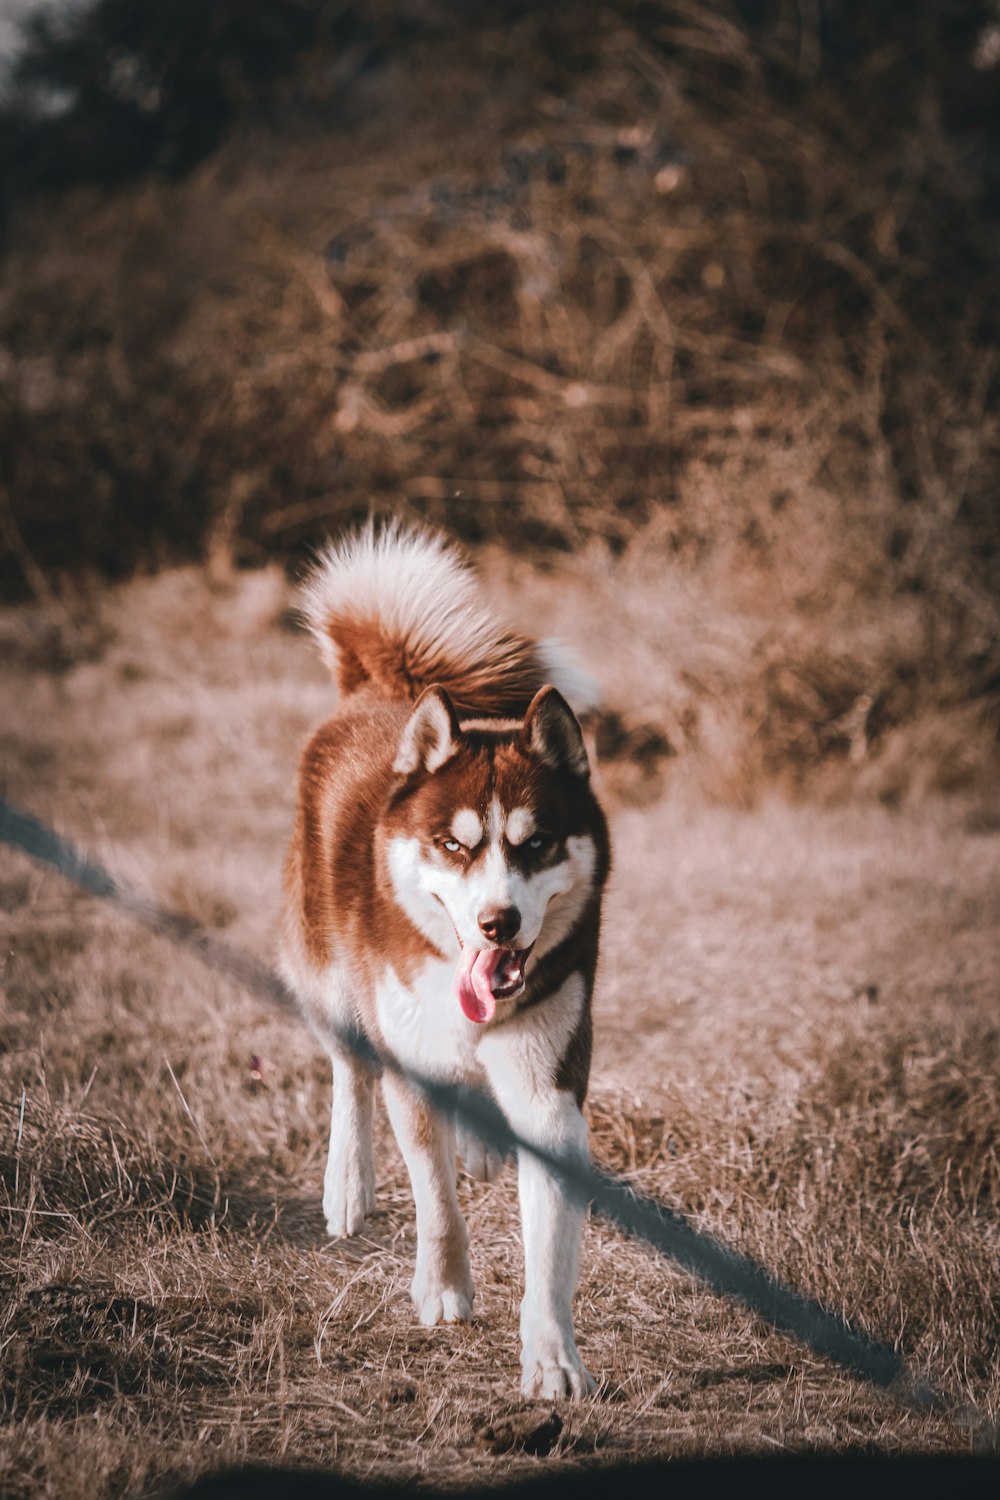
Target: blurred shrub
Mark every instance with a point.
(720, 279)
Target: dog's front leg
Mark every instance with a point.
(551, 1227)
(442, 1282)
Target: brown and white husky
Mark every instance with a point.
(443, 895)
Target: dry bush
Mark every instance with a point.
(682, 291)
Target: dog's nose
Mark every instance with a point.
(499, 923)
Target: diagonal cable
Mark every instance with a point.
(722, 1268)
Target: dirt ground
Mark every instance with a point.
(798, 1044)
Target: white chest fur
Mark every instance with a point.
(423, 1024)
(425, 1029)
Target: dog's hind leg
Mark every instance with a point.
(442, 1282)
(349, 1183)
(478, 1159)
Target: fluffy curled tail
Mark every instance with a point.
(396, 610)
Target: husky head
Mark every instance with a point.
(495, 843)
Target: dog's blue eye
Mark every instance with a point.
(452, 845)
(538, 842)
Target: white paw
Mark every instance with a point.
(479, 1160)
(436, 1303)
(551, 1368)
(347, 1203)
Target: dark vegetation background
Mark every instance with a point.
(713, 284)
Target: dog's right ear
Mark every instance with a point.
(431, 736)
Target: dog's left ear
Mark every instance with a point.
(551, 732)
(431, 734)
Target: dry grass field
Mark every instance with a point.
(798, 1045)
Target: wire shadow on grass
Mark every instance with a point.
(725, 1270)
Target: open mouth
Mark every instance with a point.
(486, 975)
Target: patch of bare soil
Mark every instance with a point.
(798, 1046)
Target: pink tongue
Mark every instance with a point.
(474, 982)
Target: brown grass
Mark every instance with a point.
(797, 1045)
